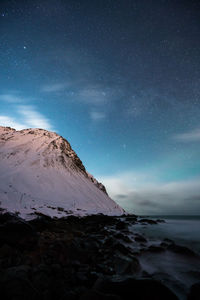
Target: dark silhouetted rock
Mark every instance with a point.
(147, 221)
(181, 250)
(14, 231)
(194, 293)
(144, 289)
(95, 295)
(131, 219)
(160, 221)
(16, 284)
(155, 249)
(126, 266)
(121, 225)
(123, 237)
(139, 238)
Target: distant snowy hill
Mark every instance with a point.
(39, 172)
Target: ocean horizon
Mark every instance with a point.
(182, 229)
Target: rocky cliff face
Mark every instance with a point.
(40, 172)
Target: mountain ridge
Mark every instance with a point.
(39, 163)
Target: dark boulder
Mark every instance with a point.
(14, 231)
(143, 289)
(160, 221)
(168, 241)
(121, 225)
(95, 295)
(15, 284)
(148, 221)
(194, 293)
(124, 265)
(139, 238)
(131, 219)
(181, 250)
(155, 249)
(122, 237)
(41, 222)
(113, 246)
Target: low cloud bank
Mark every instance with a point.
(153, 197)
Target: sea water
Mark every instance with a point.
(178, 272)
(184, 230)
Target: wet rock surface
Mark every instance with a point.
(95, 257)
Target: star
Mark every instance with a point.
(25, 47)
(3, 15)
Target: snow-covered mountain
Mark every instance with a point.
(39, 172)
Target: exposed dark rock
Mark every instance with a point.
(67, 258)
(98, 184)
(121, 225)
(126, 266)
(41, 222)
(123, 237)
(160, 221)
(15, 284)
(139, 238)
(16, 232)
(194, 293)
(131, 218)
(164, 245)
(16, 227)
(95, 295)
(5, 251)
(157, 249)
(143, 289)
(181, 250)
(147, 221)
(116, 246)
(168, 241)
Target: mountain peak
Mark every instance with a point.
(39, 164)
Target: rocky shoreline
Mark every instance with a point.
(93, 257)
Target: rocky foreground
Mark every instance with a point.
(95, 257)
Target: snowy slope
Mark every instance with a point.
(39, 172)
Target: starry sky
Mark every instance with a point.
(120, 80)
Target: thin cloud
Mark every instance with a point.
(190, 136)
(97, 116)
(27, 117)
(11, 122)
(93, 95)
(10, 98)
(32, 118)
(97, 94)
(52, 88)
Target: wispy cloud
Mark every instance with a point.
(10, 98)
(94, 95)
(190, 136)
(27, 116)
(56, 87)
(97, 116)
(89, 94)
(11, 122)
(33, 118)
(139, 194)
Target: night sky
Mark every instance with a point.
(120, 80)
